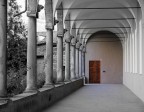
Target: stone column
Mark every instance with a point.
(49, 44)
(68, 38)
(60, 75)
(73, 74)
(3, 46)
(31, 56)
(60, 35)
(83, 61)
(80, 60)
(49, 58)
(77, 59)
(77, 62)
(31, 48)
(67, 61)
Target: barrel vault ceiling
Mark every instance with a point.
(89, 16)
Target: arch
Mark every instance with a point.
(105, 46)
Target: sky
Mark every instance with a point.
(40, 20)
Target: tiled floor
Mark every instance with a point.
(99, 98)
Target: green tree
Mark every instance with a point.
(16, 46)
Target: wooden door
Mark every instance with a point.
(94, 71)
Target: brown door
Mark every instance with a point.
(94, 71)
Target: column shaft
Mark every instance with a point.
(3, 46)
(67, 61)
(83, 64)
(80, 63)
(31, 56)
(49, 58)
(60, 76)
(77, 62)
(73, 75)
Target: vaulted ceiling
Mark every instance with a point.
(89, 16)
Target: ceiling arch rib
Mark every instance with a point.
(114, 30)
(100, 21)
(103, 24)
(94, 3)
(74, 3)
(120, 39)
(121, 34)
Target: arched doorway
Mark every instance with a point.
(104, 58)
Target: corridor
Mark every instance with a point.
(99, 98)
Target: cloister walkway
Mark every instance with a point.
(99, 98)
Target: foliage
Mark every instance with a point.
(16, 38)
(16, 46)
(16, 82)
(40, 80)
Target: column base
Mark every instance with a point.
(84, 78)
(73, 79)
(31, 91)
(48, 86)
(81, 76)
(3, 96)
(77, 76)
(59, 81)
(67, 80)
(4, 100)
(59, 84)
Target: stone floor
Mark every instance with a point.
(99, 98)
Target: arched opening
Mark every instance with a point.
(104, 58)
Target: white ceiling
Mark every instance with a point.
(101, 14)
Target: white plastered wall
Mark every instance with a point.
(133, 76)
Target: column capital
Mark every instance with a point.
(84, 49)
(73, 44)
(59, 36)
(49, 28)
(68, 39)
(73, 41)
(49, 15)
(78, 44)
(62, 34)
(32, 14)
(81, 47)
(60, 27)
(32, 10)
(71, 36)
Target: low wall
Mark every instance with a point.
(35, 102)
